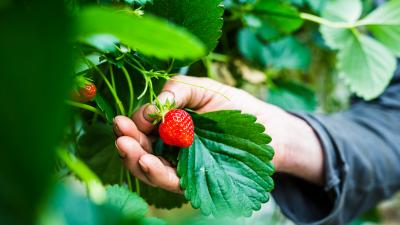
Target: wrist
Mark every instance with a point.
(298, 150)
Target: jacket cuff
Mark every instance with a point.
(307, 203)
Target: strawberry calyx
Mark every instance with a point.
(161, 110)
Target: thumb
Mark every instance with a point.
(184, 91)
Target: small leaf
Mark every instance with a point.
(139, 33)
(105, 107)
(226, 172)
(366, 66)
(384, 23)
(292, 96)
(128, 203)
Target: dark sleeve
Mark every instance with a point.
(362, 163)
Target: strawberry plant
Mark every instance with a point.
(110, 58)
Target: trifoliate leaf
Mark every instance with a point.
(365, 64)
(138, 33)
(128, 203)
(384, 23)
(227, 171)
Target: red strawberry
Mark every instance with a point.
(177, 128)
(86, 93)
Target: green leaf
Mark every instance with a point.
(384, 23)
(105, 107)
(292, 96)
(289, 53)
(317, 5)
(366, 66)
(227, 171)
(282, 16)
(339, 11)
(128, 203)
(139, 33)
(203, 18)
(252, 48)
(97, 149)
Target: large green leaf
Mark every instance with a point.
(292, 96)
(384, 23)
(97, 149)
(227, 170)
(366, 66)
(203, 18)
(149, 35)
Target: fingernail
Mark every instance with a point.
(144, 166)
(122, 154)
(116, 130)
(150, 109)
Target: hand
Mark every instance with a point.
(297, 149)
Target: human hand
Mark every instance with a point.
(297, 149)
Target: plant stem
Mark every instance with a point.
(218, 57)
(131, 92)
(137, 184)
(112, 78)
(128, 178)
(85, 107)
(323, 21)
(112, 90)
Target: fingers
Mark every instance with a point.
(123, 126)
(141, 117)
(131, 151)
(147, 167)
(159, 174)
(191, 92)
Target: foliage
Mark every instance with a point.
(129, 49)
(227, 169)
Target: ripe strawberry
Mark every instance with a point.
(177, 128)
(86, 93)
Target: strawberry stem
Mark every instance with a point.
(85, 107)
